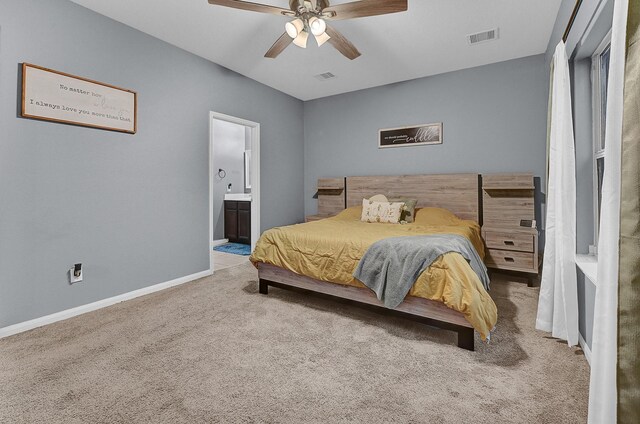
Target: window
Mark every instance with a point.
(599, 81)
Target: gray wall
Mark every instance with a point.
(132, 208)
(494, 120)
(229, 141)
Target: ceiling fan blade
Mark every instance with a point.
(254, 7)
(280, 44)
(363, 8)
(341, 44)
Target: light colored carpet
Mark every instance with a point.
(217, 351)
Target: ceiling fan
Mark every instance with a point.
(310, 16)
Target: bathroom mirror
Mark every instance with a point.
(247, 169)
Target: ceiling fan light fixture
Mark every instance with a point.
(309, 16)
(301, 39)
(318, 26)
(322, 38)
(294, 27)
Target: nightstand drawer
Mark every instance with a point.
(507, 259)
(509, 241)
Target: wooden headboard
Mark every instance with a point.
(460, 193)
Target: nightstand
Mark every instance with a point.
(507, 199)
(512, 250)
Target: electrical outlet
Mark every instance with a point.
(75, 274)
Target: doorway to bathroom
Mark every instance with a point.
(234, 189)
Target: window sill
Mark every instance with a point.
(588, 264)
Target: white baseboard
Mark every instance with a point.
(79, 310)
(219, 242)
(585, 348)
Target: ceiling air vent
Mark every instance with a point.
(325, 76)
(483, 36)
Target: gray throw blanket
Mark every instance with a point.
(390, 266)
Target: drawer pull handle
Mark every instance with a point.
(509, 243)
(508, 259)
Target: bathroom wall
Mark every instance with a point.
(229, 143)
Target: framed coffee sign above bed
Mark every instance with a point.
(410, 136)
(58, 97)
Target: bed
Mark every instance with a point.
(321, 256)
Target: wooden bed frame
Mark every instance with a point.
(460, 193)
(415, 308)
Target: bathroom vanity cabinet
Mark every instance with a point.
(237, 221)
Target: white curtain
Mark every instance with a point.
(558, 302)
(602, 389)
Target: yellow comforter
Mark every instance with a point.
(330, 249)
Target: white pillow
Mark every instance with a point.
(387, 212)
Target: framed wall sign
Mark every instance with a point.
(58, 97)
(410, 136)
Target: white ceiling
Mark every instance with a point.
(428, 39)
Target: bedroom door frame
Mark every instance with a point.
(255, 175)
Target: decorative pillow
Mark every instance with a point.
(409, 209)
(387, 212)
